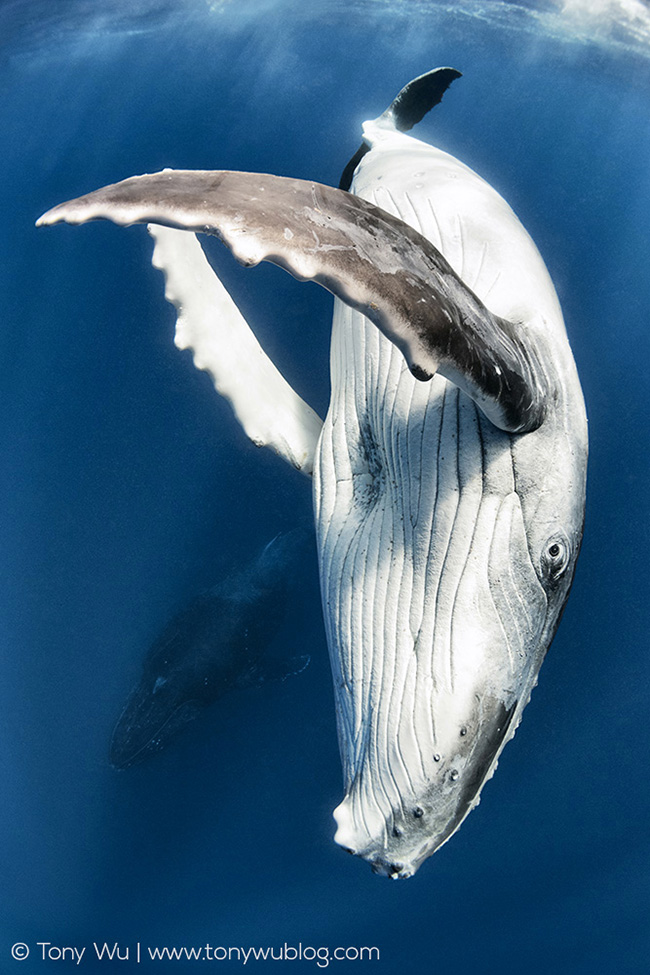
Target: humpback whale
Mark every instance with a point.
(215, 644)
(449, 473)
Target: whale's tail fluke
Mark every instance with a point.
(407, 109)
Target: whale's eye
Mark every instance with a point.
(555, 557)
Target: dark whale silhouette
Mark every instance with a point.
(215, 644)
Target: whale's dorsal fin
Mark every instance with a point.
(371, 260)
(272, 669)
(408, 108)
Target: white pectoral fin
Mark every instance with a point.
(212, 327)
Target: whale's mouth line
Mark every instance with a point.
(150, 744)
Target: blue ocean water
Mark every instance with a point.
(127, 487)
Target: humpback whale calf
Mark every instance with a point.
(449, 473)
(215, 644)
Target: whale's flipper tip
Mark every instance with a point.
(48, 218)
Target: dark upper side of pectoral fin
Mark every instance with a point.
(371, 260)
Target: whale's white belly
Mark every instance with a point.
(415, 505)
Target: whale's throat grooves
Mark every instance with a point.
(415, 498)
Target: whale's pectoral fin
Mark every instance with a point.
(371, 260)
(210, 324)
(272, 669)
(407, 109)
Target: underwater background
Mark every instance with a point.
(127, 487)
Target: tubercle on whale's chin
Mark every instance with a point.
(386, 858)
